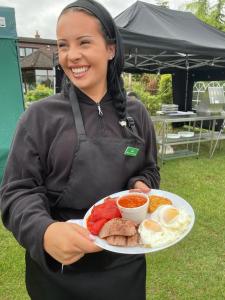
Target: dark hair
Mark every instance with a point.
(115, 66)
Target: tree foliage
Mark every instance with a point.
(165, 89)
(200, 8)
(210, 14)
(152, 90)
(218, 15)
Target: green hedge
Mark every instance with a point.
(41, 91)
(151, 102)
(151, 97)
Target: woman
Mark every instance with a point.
(69, 151)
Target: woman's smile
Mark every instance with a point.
(80, 72)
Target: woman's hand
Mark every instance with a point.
(140, 186)
(67, 242)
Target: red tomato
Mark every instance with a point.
(101, 214)
(95, 227)
(107, 210)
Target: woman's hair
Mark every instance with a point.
(115, 66)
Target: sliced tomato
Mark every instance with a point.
(107, 210)
(102, 213)
(95, 227)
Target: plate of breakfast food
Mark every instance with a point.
(137, 223)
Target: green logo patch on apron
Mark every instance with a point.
(131, 151)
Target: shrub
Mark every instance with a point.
(151, 102)
(165, 89)
(41, 91)
(151, 83)
(153, 90)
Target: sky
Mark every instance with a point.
(41, 15)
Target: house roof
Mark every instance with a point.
(37, 41)
(39, 59)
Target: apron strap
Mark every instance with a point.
(131, 129)
(131, 124)
(76, 112)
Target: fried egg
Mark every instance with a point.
(172, 218)
(153, 235)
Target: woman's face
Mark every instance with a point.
(83, 52)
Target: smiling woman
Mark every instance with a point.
(71, 150)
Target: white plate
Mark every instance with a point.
(177, 202)
(173, 136)
(186, 133)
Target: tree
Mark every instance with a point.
(217, 15)
(212, 15)
(200, 9)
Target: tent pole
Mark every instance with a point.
(187, 81)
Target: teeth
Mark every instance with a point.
(79, 70)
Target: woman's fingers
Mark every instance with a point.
(73, 259)
(63, 240)
(66, 258)
(84, 240)
(83, 231)
(140, 186)
(86, 246)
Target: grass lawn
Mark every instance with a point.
(194, 268)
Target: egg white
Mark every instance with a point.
(155, 239)
(179, 223)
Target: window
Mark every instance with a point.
(41, 72)
(51, 73)
(201, 93)
(45, 77)
(29, 51)
(22, 52)
(29, 79)
(26, 51)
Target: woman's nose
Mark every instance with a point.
(74, 54)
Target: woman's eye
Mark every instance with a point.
(61, 45)
(84, 42)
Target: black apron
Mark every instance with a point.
(99, 168)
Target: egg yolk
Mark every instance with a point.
(152, 225)
(170, 214)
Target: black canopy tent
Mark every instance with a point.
(161, 40)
